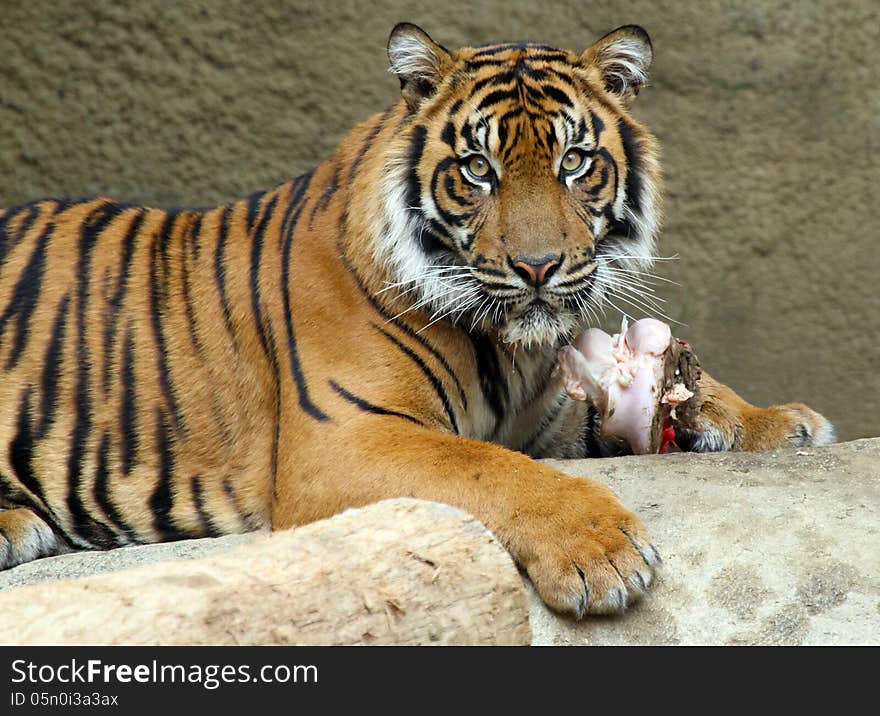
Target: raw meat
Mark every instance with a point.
(641, 380)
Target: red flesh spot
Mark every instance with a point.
(667, 438)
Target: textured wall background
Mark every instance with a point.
(768, 113)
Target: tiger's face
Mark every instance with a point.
(521, 192)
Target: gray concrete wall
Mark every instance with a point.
(767, 113)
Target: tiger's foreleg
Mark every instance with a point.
(24, 536)
(583, 551)
(727, 422)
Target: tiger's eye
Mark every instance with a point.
(572, 161)
(478, 166)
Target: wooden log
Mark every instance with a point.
(398, 572)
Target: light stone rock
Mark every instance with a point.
(758, 548)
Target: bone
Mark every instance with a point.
(642, 380)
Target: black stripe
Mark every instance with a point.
(634, 165)
(467, 133)
(276, 373)
(536, 50)
(162, 499)
(326, 196)
(499, 286)
(25, 298)
(447, 216)
(591, 430)
(448, 135)
(502, 133)
(512, 145)
(548, 54)
(52, 363)
(8, 239)
(296, 370)
(27, 222)
(579, 132)
(449, 186)
(256, 255)
(298, 189)
(195, 237)
(158, 296)
(247, 518)
(557, 94)
(11, 492)
(264, 328)
(497, 96)
(598, 125)
(114, 303)
(208, 528)
(492, 381)
(494, 78)
(491, 271)
(548, 420)
(188, 307)
(431, 242)
(499, 49)
(370, 407)
(414, 156)
(480, 64)
(429, 374)
(612, 164)
(406, 329)
(441, 234)
(94, 532)
(574, 268)
(253, 207)
(21, 449)
(220, 273)
(597, 187)
(101, 492)
(534, 73)
(128, 407)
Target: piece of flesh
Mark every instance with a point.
(641, 380)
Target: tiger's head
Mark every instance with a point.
(519, 192)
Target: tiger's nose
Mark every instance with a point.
(536, 271)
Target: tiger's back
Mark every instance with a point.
(133, 404)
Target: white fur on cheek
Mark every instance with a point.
(634, 253)
(395, 231)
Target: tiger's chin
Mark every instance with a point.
(537, 326)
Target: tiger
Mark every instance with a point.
(382, 326)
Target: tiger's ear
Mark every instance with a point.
(417, 61)
(622, 58)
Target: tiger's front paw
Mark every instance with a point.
(588, 555)
(789, 425)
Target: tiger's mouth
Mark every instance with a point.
(537, 324)
(481, 301)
